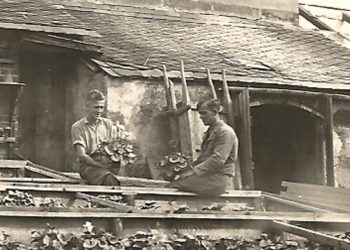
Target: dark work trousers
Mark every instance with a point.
(204, 184)
(98, 176)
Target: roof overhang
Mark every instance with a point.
(49, 29)
(61, 42)
(118, 70)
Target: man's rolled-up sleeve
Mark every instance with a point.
(225, 142)
(77, 137)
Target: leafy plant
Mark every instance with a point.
(118, 152)
(172, 165)
(17, 198)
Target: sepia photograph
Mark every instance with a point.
(175, 124)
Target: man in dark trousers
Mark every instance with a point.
(87, 134)
(213, 170)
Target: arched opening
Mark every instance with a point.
(287, 145)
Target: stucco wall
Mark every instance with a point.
(341, 142)
(139, 104)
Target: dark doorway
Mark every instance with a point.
(287, 145)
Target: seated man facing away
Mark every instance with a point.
(215, 166)
(87, 134)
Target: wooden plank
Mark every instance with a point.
(243, 129)
(326, 206)
(12, 164)
(273, 91)
(238, 216)
(132, 181)
(122, 208)
(308, 186)
(312, 19)
(320, 194)
(211, 85)
(329, 141)
(185, 126)
(119, 190)
(313, 235)
(282, 200)
(46, 171)
(228, 104)
(36, 180)
(171, 105)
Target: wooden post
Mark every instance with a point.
(211, 85)
(231, 121)
(171, 105)
(227, 100)
(245, 143)
(186, 135)
(117, 227)
(329, 141)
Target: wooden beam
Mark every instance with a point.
(211, 85)
(35, 168)
(290, 92)
(346, 17)
(227, 100)
(329, 141)
(121, 208)
(58, 187)
(312, 19)
(185, 126)
(309, 217)
(171, 106)
(312, 235)
(245, 144)
(36, 180)
(284, 201)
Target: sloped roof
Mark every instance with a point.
(134, 41)
(38, 15)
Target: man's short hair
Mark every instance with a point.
(212, 104)
(95, 95)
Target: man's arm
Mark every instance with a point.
(225, 142)
(85, 158)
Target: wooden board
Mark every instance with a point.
(337, 198)
(312, 235)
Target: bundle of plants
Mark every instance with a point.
(17, 198)
(7, 243)
(116, 153)
(171, 166)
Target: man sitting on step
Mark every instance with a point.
(87, 134)
(215, 167)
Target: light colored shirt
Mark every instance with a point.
(91, 135)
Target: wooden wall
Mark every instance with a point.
(42, 108)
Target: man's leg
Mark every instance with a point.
(111, 180)
(203, 185)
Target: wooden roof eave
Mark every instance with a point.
(49, 29)
(61, 42)
(240, 81)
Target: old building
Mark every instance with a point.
(40, 46)
(289, 86)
